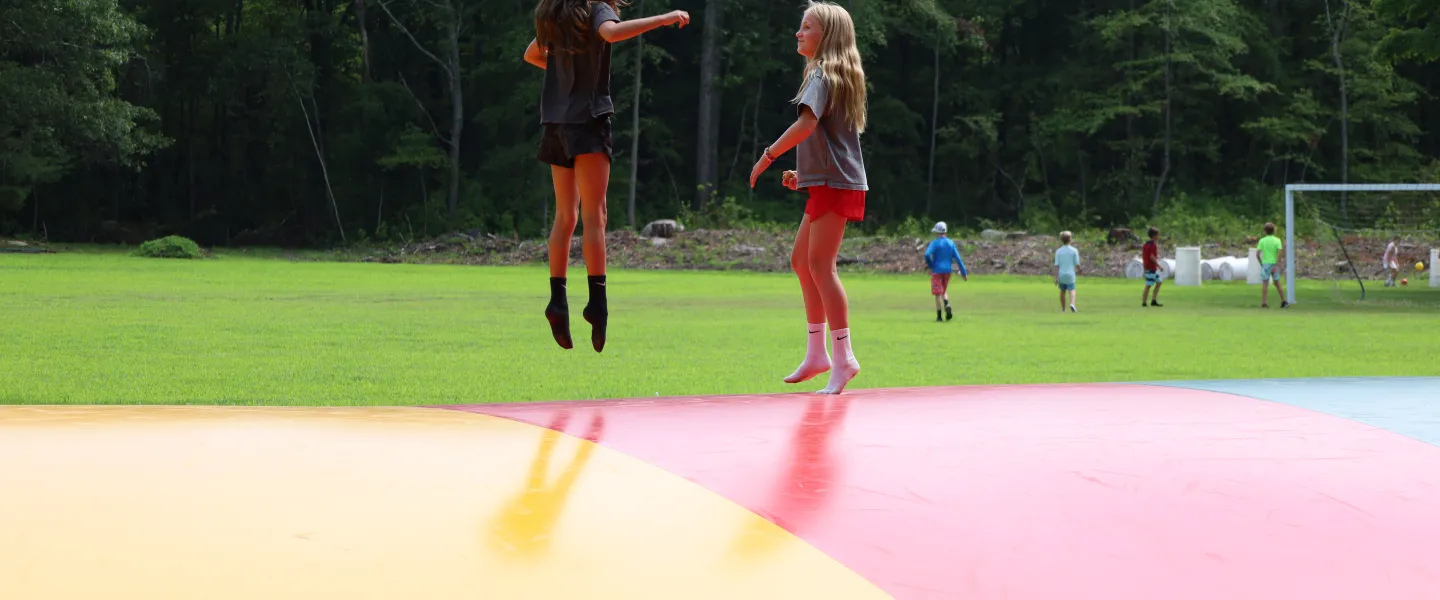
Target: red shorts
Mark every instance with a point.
(846, 203)
(939, 283)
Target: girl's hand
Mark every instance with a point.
(760, 166)
(790, 180)
(677, 17)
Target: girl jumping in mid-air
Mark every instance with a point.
(572, 44)
(829, 167)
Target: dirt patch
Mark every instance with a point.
(770, 252)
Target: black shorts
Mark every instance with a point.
(561, 143)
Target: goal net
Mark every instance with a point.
(1345, 229)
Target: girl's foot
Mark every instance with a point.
(597, 312)
(809, 369)
(816, 360)
(598, 316)
(844, 367)
(559, 316)
(841, 375)
(558, 313)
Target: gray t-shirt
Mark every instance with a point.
(831, 155)
(577, 86)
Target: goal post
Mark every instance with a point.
(1290, 222)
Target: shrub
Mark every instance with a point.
(173, 246)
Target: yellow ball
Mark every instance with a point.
(1420, 266)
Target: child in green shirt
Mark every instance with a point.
(1270, 247)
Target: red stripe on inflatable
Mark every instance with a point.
(1083, 491)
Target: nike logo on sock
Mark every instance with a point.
(843, 338)
(816, 331)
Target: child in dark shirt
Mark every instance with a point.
(572, 44)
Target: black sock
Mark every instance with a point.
(597, 312)
(558, 313)
(557, 291)
(937, 315)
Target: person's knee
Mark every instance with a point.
(799, 263)
(565, 222)
(821, 267)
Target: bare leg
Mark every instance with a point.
(816, 360)
(592, 178)
(826, 233)
(800, 263)
(567, 205)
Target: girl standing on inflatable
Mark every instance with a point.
(830, 168)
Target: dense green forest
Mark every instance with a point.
(318, 122)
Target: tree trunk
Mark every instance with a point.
(451, 65)
(707, 140)
(635, 123)
(364, 41)
(1337, 32)
(457, 113)
(1165, 168)
(320, 155)
(1130, 132)
(934, 125)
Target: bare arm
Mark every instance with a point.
(619, 31)
(798, 131)
(534, 55)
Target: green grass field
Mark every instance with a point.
(98, 327)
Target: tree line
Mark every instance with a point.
(317, 122)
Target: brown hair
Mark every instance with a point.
(1154, 233)
(1065, 237)
(1269, 229)
(564, 25)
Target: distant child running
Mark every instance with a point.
(1067, 266)
(941, 257)
(1391, 261)
(1270, 247)
(572, 44)
(1150, 255)
(829, 166)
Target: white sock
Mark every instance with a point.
(816, 360)
(845, 367)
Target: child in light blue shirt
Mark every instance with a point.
(1067, 266)
(941, 257)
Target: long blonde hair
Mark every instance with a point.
(838, 60)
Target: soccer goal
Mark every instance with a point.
(1350, 225)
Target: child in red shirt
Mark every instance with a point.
(1150, 254)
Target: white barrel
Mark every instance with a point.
(1134, 269)
(1252, 268)
(1234, 268)
(1210, 267)
(1434, 273)
(1187, 266)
